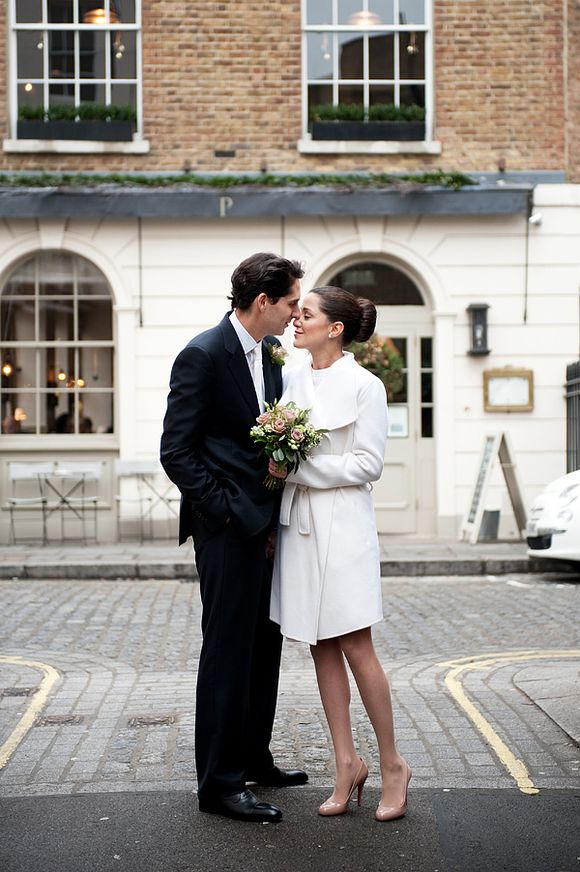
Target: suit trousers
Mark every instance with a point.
(237, 682)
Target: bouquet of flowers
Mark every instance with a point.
(287, 437)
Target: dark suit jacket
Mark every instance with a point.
(206, 449)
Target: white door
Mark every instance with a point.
(405, 495)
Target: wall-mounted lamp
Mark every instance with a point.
(478, 322)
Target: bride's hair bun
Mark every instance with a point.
(368, 319)
(358, 315)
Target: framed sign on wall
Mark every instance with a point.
(508, 390)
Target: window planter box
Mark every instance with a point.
(103, 131)
(369, 130)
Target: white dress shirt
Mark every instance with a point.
(253, 352)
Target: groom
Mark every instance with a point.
(219, 384)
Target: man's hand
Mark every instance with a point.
(271, 544)
(278, 470)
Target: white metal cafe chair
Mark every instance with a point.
(28, 476)
(133, 492)
(151, 491)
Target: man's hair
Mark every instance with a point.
(263, 273)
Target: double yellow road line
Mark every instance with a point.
(457, 668)
(36, 705)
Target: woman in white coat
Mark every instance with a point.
(326, 587)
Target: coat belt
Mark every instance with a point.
(298, 493)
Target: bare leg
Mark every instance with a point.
(334, 689)
(376, 696)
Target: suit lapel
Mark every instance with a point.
(238, 366)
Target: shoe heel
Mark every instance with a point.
(359, 793)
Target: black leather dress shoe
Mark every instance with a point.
(276, 777)
(242, 806)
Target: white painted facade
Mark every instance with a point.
(173, 282)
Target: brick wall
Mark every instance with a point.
(225, 76)
(573, 92)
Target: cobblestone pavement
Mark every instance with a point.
(120, 715)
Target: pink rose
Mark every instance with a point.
(297, 435)
(290, 415)
(261, 419)
(279, 425)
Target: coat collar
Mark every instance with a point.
(334, 403)
(239, 369)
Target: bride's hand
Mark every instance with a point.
(278, 470)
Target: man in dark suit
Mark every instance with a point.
(219, 384)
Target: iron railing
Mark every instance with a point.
(573, 416)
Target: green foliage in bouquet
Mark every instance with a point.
(380, 356)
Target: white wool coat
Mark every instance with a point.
(326, 578)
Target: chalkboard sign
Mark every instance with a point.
(495, 446)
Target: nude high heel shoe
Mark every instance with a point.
(392, 812)
(332, 807)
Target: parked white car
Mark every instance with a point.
(553, 529)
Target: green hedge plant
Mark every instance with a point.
(356, 112)
(84, 112)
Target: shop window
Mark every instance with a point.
(57, 349)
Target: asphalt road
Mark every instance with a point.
(101, 776)
(466, 830)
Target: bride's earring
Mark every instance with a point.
(330, 335)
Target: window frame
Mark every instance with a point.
(76, 27)
(396, 30)
(38, 392)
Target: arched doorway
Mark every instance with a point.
(405, 496)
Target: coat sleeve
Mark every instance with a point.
(192, 389)
(364, 463)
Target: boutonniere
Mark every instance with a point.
(277, 354)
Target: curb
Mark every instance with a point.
(185, 570)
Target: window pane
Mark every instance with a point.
(17, 319)
(96, 367)
(18, 413)
(93, 12)
(319, 52)
(381, 56)
(61, 58)
(124, 55)
(60, 11)
(22, 362)
(93, 94)
(400, 396)
(383, 9)
(124, 95)
(55, 273)
(28, 11)
(60, 366)
(426, 422)
(95, 413)
(400, 344)
(92, 54)
(95, 319)
(22, 279)
(412, 94)
(319, 95)
(30, 94)
(29, 54)
(125, 10)
(426, 352)
(347, 11)
(351, 94)
(412, 55)
(56, 320)
(381, 94)
(90, 280)
(319, 12)
(350, 54)
(411, 11)
(61, 95)
(426, 387)
(383, 284)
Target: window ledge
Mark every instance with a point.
(74, 146)
(343, 146)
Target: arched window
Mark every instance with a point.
(383, 284)
(56, 345)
